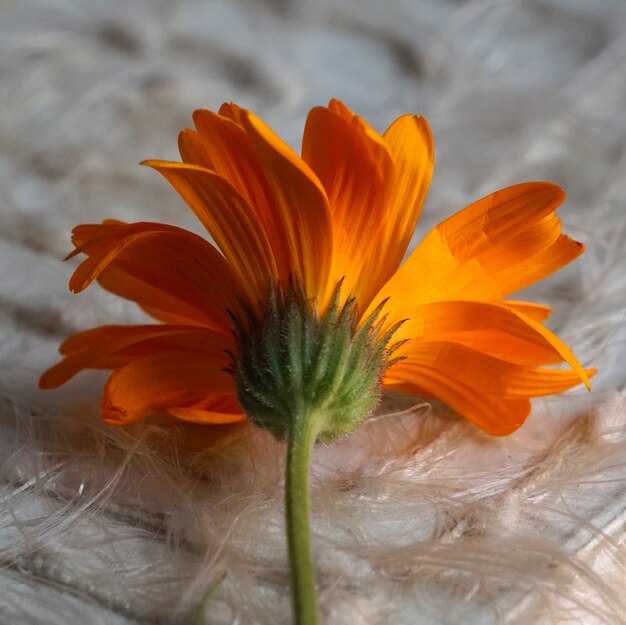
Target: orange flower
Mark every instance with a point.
(342, 212)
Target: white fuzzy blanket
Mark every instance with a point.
(418, 518)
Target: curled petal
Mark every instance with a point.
(215, 412)
(493, 329)
(490, 392)
(109, 347)
(172, 273)
(169, 383)
(494, 414)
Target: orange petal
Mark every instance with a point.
(194, 151)
(93, 233)
(499, 216)
(411, 145)
(216, 409)
(494, 414)
(164, 306)
(229, 220)
(300, 206)
(493, 329)
(487, 251)
(165, 382)
(488, 391)
(109, 347)
(353, 164)
(222, 145)
(171, 272)
(206, 416)
(536, 312)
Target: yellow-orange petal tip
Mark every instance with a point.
(590, 373)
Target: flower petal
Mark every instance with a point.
(109, 347)
(486, 372)
(229, 220)
(222, 145)
(353, 164)
(411, 145)
(217, 409)
(536, 312)
(493, 329)
(494, 414)
(487, 251)
(489, 391)
(194, 151)
(165, 382)
(94, 234)
(206, 416)
(172, 273)
(300, 207)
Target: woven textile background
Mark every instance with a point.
(418, 518)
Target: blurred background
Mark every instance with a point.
(514, 90)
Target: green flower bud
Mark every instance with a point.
(293, 362)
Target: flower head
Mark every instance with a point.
(316, 235)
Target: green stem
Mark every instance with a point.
(299, 445)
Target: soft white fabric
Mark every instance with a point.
(418, 518)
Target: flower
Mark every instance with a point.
(341, 214)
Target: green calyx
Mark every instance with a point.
(292, 362)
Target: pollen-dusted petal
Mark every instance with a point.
(160, 267)
(489, 391)
(229, 220)
(353, 164)
(487, 251)
(222, 145)
(411, 145)
(164, 381)
(493, 329)
(300, 206)
(109, 347)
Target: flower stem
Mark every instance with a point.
(299, 444)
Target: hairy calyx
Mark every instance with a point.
(292, 363)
